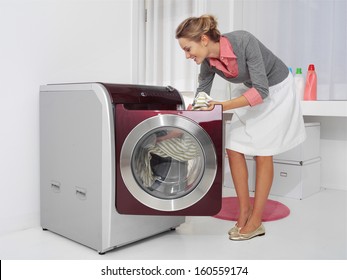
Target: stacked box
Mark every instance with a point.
(296, 172)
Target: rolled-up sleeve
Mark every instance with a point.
(253, 97)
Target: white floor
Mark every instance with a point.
(316, 229)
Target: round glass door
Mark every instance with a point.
(168, 162)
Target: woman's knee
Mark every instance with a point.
(263, 159)
(234, 155)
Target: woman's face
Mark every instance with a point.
(193, 50)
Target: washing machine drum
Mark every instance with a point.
(168, 167)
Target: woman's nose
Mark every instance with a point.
(187, 55)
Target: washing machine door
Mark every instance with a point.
(168, 162)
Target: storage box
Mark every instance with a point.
(307, 150)
(228, 182)
(296, 179)
(296, 172)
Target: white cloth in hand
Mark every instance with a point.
(201, 100)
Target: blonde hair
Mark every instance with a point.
(194, 27)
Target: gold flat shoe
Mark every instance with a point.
(235, 229)
(246, 236)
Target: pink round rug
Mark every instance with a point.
(274, 210)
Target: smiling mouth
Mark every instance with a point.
(195, 59)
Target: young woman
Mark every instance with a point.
(266, 120)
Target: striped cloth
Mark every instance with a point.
(201, 100)
(180, 149)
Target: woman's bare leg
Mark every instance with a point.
(264, 177)
(239, 174)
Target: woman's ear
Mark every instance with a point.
(205, 40)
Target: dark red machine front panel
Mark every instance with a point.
(210, 121)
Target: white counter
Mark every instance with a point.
(324, 108)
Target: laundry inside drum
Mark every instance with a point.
(168, 163)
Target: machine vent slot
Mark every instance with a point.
(55, 186)
(81, 193)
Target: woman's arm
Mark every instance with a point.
(237, 102)
(205, 79)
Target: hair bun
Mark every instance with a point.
(194, 27)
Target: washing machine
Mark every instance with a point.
(120, 163)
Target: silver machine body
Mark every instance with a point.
(77, 171)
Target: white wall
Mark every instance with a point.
(223, 10)
(48, 42)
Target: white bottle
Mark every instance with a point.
(299, 83)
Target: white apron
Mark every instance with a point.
(269, 128)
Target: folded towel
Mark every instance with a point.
(201, 100)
